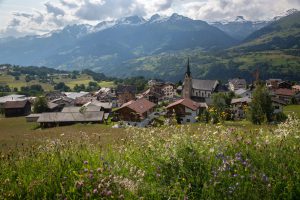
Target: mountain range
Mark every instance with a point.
(159, 46)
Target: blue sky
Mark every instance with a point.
(19, 18)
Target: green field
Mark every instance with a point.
(292, 109)
(81, 79)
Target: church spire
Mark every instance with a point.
(188, 70)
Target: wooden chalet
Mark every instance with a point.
(135, 111)
(17, 108)
(186, 110)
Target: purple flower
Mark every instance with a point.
(95, 191)
(109, 193)
(85, 170)
(91, 176)
(85, 162)
(99, 170)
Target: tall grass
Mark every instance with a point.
(175, 162)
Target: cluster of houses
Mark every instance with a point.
(123, 103)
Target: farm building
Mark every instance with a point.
(17, 108)
(68, 118)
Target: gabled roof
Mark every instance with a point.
(208, 85)
(285, 92)
(276, 100)
(241, 91)
(15, 104)
(237, 81)
(83, 109)
(105, 105)
(71, 117)
(188, 103)
(139, 106)
(74, 95)
(241, 100)
(52, 105)
(13, 97)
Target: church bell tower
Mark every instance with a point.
(187, 84)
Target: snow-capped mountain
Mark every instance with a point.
(284, 14)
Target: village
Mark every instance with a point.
(161, 103)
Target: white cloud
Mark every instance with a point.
(59, 13)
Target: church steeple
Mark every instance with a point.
(187, 84)
(188, 70)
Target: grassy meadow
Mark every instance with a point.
(199, 161)
(81, 79)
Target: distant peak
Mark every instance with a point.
(291, 11)
(175, 17)
(155, 17)
(240, 19)
(132, 20)
(286, 13)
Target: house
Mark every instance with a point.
(197, 90)
(68, 118)
(13, 97)
(74, 95)
(135, 110)
(152, 95)
(169, 91)
(63, 101)
(296, 88)
(104, 106)
(125, 93)
(186, 110)
(17, 108)
(238, 106)
(243, 93)
(153, 82)
(237, 83)
(285, 95)
(278, 105)
(273, 83)
(50, 96)
(285, 85)
(80, 101)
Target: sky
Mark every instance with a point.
(19, 18)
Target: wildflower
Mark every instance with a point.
(95, 191)
(91, 176)
(79, 184)
(107, 193)
(85, 170)
(85, 162)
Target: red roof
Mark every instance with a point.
(188, 103)
(285, 92)
(140, 106)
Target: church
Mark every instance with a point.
(196, 89)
